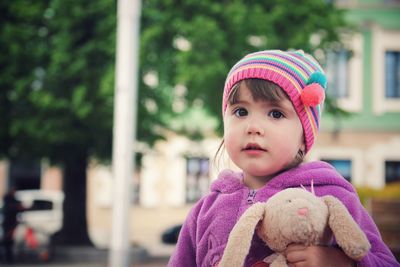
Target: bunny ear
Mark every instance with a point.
(348, 234)
(241, 235)
(312, 187)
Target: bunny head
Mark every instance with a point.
(295, 215)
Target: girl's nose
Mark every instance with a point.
(255, 128)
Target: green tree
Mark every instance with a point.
(77, 99)
(21, 29)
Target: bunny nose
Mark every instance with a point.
(302, 211)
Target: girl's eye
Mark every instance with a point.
(276, 114)
(240, 112)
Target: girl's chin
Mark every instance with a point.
(259, 176)
(262, 174)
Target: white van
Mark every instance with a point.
(42, 218)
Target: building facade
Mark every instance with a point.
(364, 77)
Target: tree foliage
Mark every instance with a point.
(22, 51)
(57, 72)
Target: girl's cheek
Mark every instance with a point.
(229, 142)
(289, 148)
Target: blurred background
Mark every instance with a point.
(56, 112)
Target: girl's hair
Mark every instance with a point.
(261, 90)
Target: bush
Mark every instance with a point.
(391, 191)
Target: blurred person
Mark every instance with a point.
(271, 107)
(11, 208)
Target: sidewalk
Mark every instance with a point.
(153, 262)
(88, 257)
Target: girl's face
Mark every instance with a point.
(261, 137)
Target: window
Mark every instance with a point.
(392, 171)
(39, 204)
(344, 167)
(392, 74)
(338, 73)
(136, 179)
(135, 196)
(344, 71)
(385, 70)
(25, 174)
(197, 183)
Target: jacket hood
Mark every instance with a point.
(316, 173)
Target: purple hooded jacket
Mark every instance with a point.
(205, 232)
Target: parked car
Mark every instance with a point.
(170, 235)
(41, 219)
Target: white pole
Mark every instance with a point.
(125, 108)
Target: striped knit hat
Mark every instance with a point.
(297, 73)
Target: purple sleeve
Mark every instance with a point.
(379, 254)
(185, 250)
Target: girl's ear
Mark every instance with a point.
(348, 234)
(241, 235)
(303, 148)
(301, 152)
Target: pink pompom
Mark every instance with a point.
(312, 95)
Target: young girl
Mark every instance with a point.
(271, 110)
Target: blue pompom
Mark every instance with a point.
(318, 77)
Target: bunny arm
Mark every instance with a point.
(280, 261)
(239, 241)
(348, 234)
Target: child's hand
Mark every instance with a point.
(302, 256)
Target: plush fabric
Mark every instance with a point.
(205, 232)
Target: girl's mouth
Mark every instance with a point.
(253, 147)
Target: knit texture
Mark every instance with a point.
(293, 71)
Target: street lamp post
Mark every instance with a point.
(125, 109)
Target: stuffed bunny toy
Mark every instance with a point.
(294, 215)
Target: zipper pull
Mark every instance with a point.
(251, 196)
